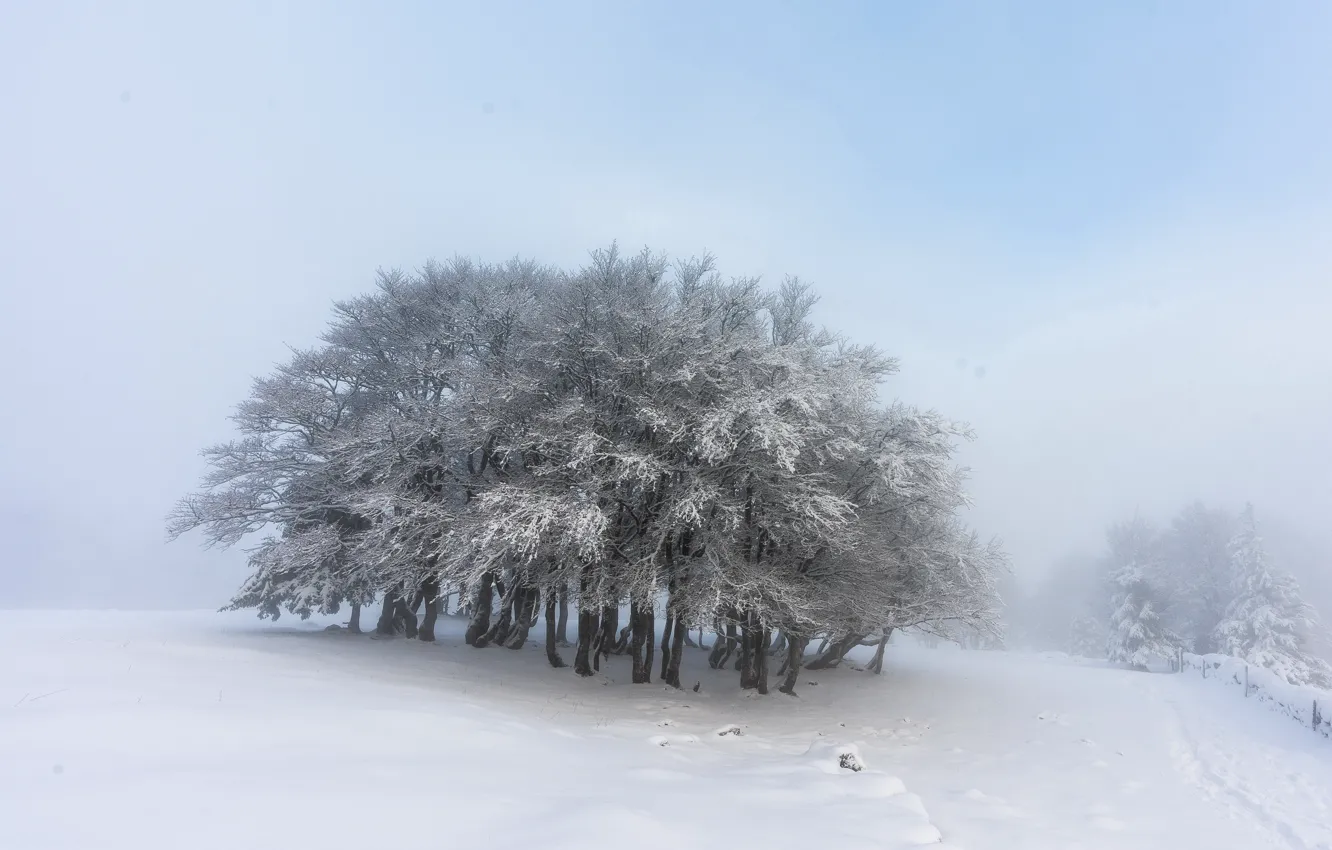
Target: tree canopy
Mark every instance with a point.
(635, 431)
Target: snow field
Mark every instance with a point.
(153, 730)
(147, 731)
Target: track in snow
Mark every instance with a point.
(1266, 771)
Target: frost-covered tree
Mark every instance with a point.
(282, 475)
(1197, 573)
(1204, 582)
(1137, 634)
(911, 564)
(1266, 622)
(634, 431)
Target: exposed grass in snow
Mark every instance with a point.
(151, 730)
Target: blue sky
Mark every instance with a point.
(1118, 211)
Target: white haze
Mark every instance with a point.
(176, 207)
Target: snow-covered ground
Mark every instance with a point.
(208, 731)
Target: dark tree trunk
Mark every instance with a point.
(552, 633)
(701, 643)
(429, 617)
(836, 652)
(750, 650)
(644, 638)
(666, 644)
(430, 598)
(354, 624)
(795, 657)
(501, 627)
(610, 627)
(689, 639)
(724, 647)
(651, 648)
(718, 649)
(385, 626)
(669, 643)
(588, 630)
(604, 643)
(638, 674)
(406, 618)
(525, 604)
(876, 666)
(597, 640)
(562, 625)
(742, 659)
(778, 646)
(480, 620)
(760, 662)
(678, 637)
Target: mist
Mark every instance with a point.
(1099, 236)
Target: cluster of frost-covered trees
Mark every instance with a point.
(1204, 584)
(634, 433)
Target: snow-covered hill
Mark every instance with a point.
(208, 731)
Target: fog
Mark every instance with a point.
(1100, 236)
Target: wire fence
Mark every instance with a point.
(1308, 706)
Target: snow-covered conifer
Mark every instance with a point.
(1137, 634)
(1266, 622)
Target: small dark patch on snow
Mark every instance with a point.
(729, 730)
(849, 762)
(333, 628)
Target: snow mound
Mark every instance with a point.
(834, 757)
(873, 809)
(672, 740)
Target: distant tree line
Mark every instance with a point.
(1205, 583)
(634, 433)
